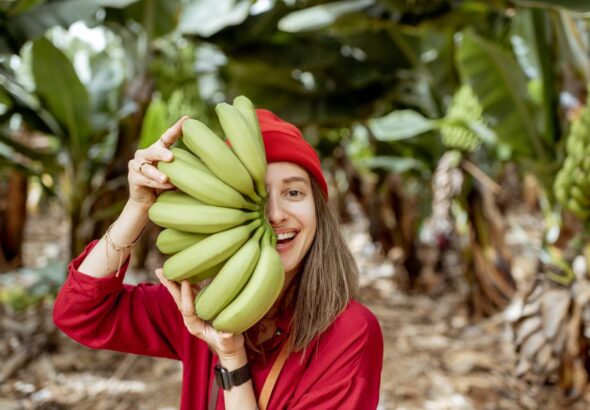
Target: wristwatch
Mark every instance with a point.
(226, 379)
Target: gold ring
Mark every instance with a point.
(142, 164)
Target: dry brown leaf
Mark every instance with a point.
(535, 292)
(543, 358)
(579, 379)
(523, 367)
(527, 327)
(573, 331)
(554, 307)
(532, 345)
(531, 308)
(558, 344)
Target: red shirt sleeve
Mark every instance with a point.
(345, 371)
(103, 313)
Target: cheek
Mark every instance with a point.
(311, 227)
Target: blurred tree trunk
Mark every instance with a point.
(488, 257)
(392, 216)
(13, 213)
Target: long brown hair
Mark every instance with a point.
(325, 284)
(327, 280)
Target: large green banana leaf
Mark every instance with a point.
(500, 86)
(58, 85)
(318, 17)
(34, 21)
(20, 6)
(207, 17)
(158, 17)
(533, 49)
(400, 125)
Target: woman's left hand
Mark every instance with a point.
(226, 345)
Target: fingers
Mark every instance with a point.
(143, 163)
(187, 307)
(172, 134)
(148, 170)
(149, 176)
(187, 299)
(172, 287)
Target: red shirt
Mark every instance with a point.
(341, 369)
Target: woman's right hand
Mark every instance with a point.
(226, 345)
(145, 180)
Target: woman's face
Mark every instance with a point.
(291, 212)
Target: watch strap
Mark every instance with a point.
(227, 379)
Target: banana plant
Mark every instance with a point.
(79, 123)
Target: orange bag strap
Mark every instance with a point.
(273, 376)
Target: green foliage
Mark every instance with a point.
(28, 20)
(154, 124)
(400, 125)
(207, 17)
(572, 183)
(500, 86)
(157, 17)
(62, 92)
(464, 109)
(173, 69)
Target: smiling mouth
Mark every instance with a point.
(285, 238)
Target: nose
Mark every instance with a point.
(274, 211)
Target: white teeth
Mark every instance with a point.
(283, 236)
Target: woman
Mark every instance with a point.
(316, 349)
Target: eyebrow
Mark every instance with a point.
(294, 179)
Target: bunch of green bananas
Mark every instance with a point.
(214, 223)
(572, 183)
(465, 108)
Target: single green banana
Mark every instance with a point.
(230, 280)
(177, 197)
(203, 186)
(245, 142)
(248, 111)
(206, 274)
(218, 157)
(171, 240)
(259, 294)
(200, 294)
(208, 252)
(198, 218)
(189, 158)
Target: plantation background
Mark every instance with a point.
(454, 135)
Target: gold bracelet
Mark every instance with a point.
(118, 249)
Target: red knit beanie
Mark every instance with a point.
(283, 142)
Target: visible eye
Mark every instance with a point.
(294, 193)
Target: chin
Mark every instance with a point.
(289, 265)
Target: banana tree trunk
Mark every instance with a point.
(404, 209)
(13, 214)
(488, 258)
(392, 216)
